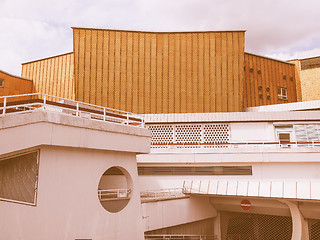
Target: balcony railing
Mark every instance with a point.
(162, 194)
(180, 237)
(235, 145)
(38, 101)
(114, 194)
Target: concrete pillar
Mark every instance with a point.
(217, 226)
(300, 229)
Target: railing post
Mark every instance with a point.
(77, 112)
(127, 118)
(142, 122)
(44, 102)
(104, 114)
(4, 106)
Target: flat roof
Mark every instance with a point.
(162, 32)
(273, 59)
(41, 59)
(295, 106)
(288, 116)
(11, 75)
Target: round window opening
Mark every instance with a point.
(115, 189)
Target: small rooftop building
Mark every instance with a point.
(69, 173)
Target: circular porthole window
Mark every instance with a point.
(115, 189)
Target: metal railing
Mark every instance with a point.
(114, 194)
(159, 194)
(179, 237)
(236, 145)
(38, 101)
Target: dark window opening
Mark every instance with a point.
(195, 171)
(19, 178)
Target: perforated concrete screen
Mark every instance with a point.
(161, 134)
(189, 135)
(18, 178)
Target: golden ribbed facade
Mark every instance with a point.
(263, 77)
(178, 72)
(13, 85)
(53, 76)
(147, 72)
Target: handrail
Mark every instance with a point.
(40, 101)
(112, 194)
(236, 144)
(162, 193)
(179, 237)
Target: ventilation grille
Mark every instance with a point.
(244, 226)
(314, 229)
(196, 171)
(190, 135)
(18, 178)
(307, 133)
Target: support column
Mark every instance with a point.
(217, 226)
(300, 229)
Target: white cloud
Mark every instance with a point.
(34, 29)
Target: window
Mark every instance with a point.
(282, 93)
(2, 83)
(19, 178)
(284, 138)
(194, 170)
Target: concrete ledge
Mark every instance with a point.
(27, 130)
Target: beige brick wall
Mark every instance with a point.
(310, 84)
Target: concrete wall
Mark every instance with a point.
(68, 206)
(288, 165)
(74, 154)
(255, 132)
(162, 214)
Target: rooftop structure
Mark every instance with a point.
(161, 72)
(308, 72)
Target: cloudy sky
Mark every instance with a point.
(34, 29)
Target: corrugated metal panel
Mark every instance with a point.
(255, 188)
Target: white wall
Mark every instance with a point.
(162, 214)
(68, 207)
(250, 132)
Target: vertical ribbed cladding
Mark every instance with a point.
(53, 75)
(263, 76)
(147, 72)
